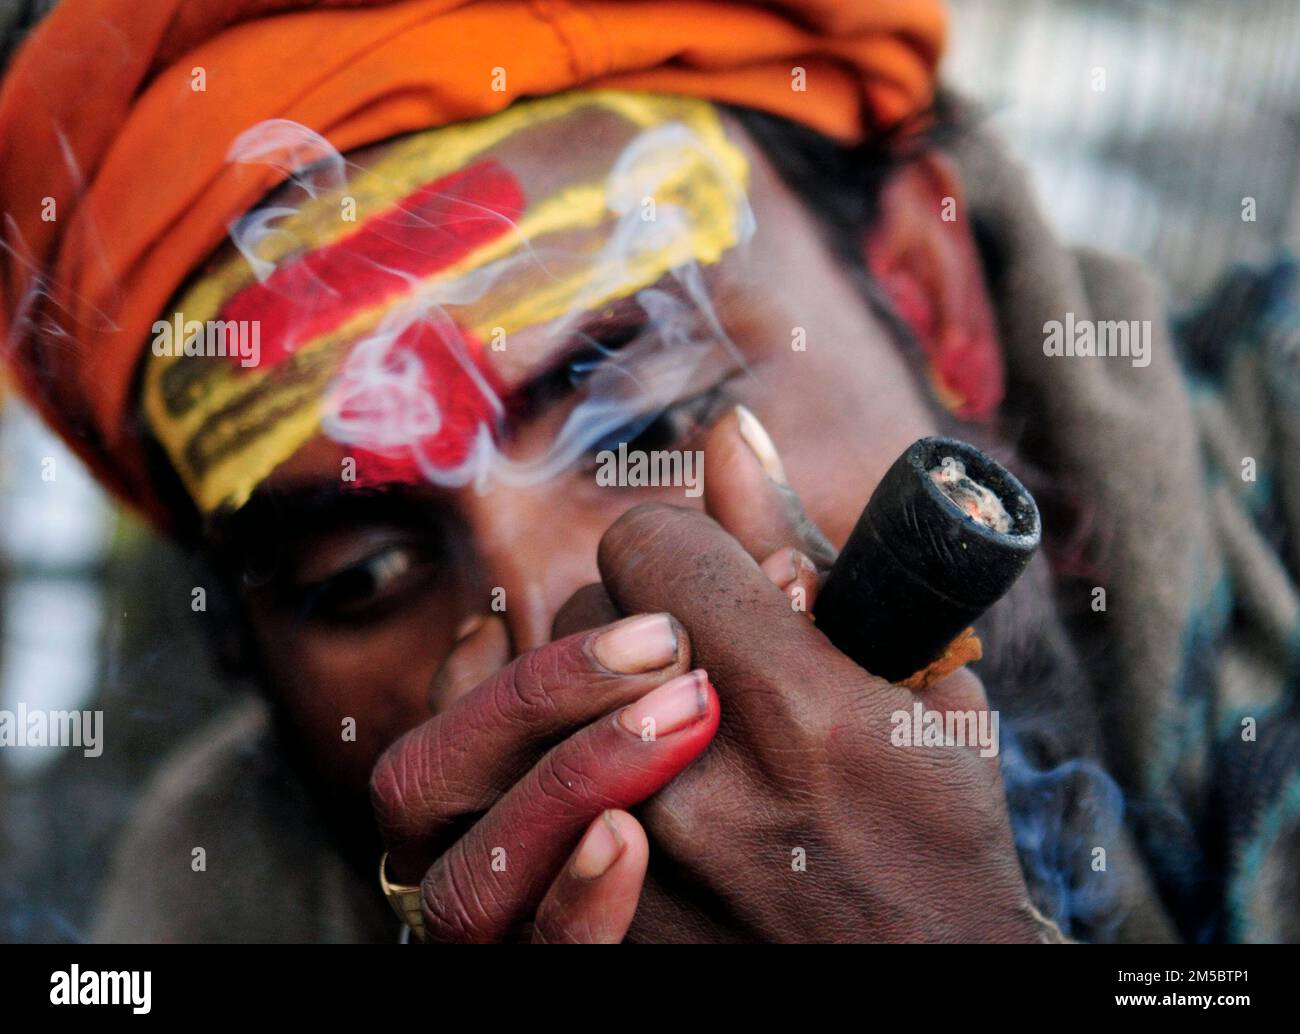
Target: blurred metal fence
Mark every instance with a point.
(1147, 124)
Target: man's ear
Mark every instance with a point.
(922, 251)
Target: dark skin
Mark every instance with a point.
(522, 735)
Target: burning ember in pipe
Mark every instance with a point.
(944, 536)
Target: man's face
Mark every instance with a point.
(356, 596)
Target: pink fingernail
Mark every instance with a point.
(640, 644)
(599, 849)
(674, 705)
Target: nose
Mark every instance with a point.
(533, 558)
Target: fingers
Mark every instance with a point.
(664, 553)
(589, 607)
(595, 896)
(461, 761)
(960, 690)
(779, 669)
(746, 492)
(481, 649)
(793, 573)
(492, 880)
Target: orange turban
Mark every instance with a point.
(114, 183)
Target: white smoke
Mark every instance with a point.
(381, 399)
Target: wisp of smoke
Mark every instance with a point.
(382, 398)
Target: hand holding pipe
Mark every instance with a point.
(944, 536)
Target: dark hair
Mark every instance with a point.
(840, 185)
(17, 19)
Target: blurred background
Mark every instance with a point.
(1145, 124)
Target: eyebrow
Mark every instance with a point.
(255, 536)
(539, 351)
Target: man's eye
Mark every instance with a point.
(651, 432)
(648, 432)
(599, 349)
(368, 588)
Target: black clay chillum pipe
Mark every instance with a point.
(944, 536)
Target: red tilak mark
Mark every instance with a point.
(428, 230)
(460, 400)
